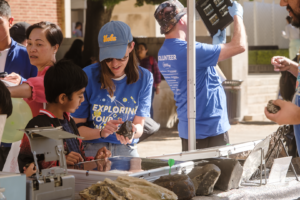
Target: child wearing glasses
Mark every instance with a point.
(118, 90)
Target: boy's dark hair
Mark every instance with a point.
(5, 9)
(5, 100)
(63, 77)
(53, 32)
(18, 31)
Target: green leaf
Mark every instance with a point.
(171, 162)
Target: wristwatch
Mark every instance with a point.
(100, 134)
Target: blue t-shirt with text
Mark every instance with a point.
(211, 110)
(128, 101)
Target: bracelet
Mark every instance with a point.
(100, 135)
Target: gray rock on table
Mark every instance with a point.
(231, 172)
(126, 187)
(180, 184)
(205, 178)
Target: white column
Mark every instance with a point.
(255, 23)
(67, 7)
(191, 76)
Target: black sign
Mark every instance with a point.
(214, 14)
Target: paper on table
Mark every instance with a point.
(8, 84)
(279, 169)
(2, 124)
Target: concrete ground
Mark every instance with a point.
(167, 141)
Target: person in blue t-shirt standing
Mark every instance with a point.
(118, 90)
(211, 112)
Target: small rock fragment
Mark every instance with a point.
(180, 184)
(272, 108)
(231, 172)
(126, 129)
(205, 178)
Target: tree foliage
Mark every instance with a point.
(99, 13)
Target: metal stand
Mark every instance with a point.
(280, 132)
(277, 154)
(262, 165)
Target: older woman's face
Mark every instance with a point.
(40, 51)
(117, 66)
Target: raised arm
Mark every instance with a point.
(238, 44)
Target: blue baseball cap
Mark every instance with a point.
(113, 39)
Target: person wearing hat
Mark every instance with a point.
(18, 32)
(211, 112)
(118, 90)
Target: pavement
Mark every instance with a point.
(167, 141)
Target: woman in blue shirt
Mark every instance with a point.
(118, 90)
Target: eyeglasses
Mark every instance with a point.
(108, 60)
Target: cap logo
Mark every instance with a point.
(110, 38)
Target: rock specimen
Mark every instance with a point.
(180, 184)
(271, 108)
(126, 129)
(126, 188)
(231, 172)
(205, 178)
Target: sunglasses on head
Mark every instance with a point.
(108, 60)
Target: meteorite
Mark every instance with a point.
(205, 178)
(126, 129)
(180, 184)
(272, 108)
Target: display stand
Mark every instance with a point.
(280, 133)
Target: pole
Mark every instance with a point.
(191, 76)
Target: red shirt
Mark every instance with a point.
(38, 98)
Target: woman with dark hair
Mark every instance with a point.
(149, 62)
(118, 90)
(75, 52)
(43, 40)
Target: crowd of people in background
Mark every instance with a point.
(93, 101)
(56, 90)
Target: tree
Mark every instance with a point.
(99, 13)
